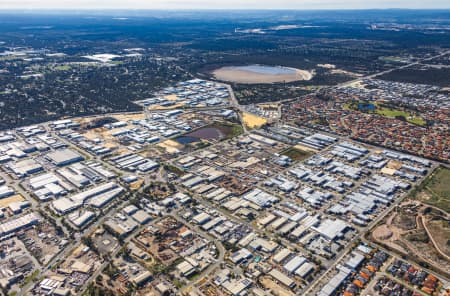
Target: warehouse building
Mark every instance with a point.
(141, 217)
(81, 219)
(185, 268)
(305, 269)
(98, 197)
(141, 278)
(201, 218)
(47, 186)
(5, 191)
(317, 141)
(240, 255)
(25, 167)
(282, 255)
(292, 265)
(282, 278)
(18, 206)
(335, 282)
(260, 198)
(121, 228)
(331, 229)
(11, 227)
(64, 157)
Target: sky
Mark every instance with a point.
(221, 4)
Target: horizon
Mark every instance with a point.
(142, 12)
(221, 9)
(170, 5)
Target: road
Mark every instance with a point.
(235, 105)
(347, 83)
(35, 205)
(359, 236)
(69, 248)
(220, 249)
(436, 246)
(112, 255)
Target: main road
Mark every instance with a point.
(358, 237)
(235, 105)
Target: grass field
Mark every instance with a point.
(435, 190)
(297, 154)
(394, 113)
(388, 112)
(231, 130)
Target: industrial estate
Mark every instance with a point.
(138, 171)
(190, 197)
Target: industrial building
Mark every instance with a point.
(48, 185)
(6, 191)
(25, 167)
(260, 198)
(282, 278)
(133, 162)
(331, 229)
(64, 157)
(80, 219)
(96, 197)
(12, 226)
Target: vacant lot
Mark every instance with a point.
(435, 190)
(230, 130)
(440, 230)
(297, 154)
(253, 121)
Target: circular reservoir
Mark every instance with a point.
(254, 74)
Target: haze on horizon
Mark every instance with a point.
(222, 4)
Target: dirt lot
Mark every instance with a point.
(440, 230)
(275, 288)
(170, 146)
(43, 241)
(253, 121)
(6, 201)
(404, 231)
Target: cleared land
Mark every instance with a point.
(253, 121)
(297, 154)
(440, 230)
(419, 233)
(7, 201)
(435, 190)
(171, 146)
